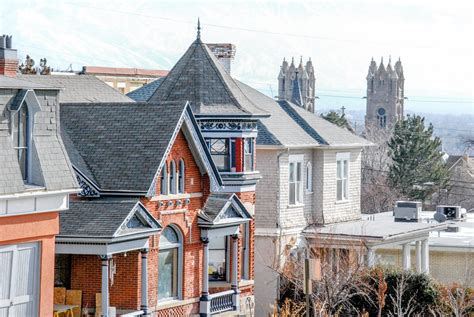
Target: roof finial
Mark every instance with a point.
(199, 30)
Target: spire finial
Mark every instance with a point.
(199, 30)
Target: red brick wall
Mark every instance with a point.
(8, 67)
(239, 155)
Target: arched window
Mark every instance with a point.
(20, 131)
(172, 177)
(181, 177)
(164, 180)
(382, 117)
(309, 177)
(169, 264)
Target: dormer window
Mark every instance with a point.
(20, 130)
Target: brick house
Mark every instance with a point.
(153, 230)
(36, 179)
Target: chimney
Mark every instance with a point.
(225, 53)
(8, 57)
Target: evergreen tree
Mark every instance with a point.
(417, 168)
(338, 119)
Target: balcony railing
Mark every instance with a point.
(221, 302)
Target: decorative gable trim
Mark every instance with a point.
(188, 117)
(139, 218)
(88, 189)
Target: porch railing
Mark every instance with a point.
(221, 302)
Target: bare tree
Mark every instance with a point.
(401, 307)
(456, 300)
(376, 195)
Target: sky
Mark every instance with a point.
(434, 40)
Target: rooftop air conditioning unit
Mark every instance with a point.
(451, 212)
(407, 211)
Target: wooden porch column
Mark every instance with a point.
(205, 303)
(370, 257)
(105, 285)
(235, 269)
(425, 256)
(406, 256)
(144, 282)
(418, 256)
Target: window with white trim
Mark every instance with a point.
(169, 264)
(309, 177)
(220, 152)
(295, 180)
(248, 154)
(342, 176)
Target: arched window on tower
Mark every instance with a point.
(173, 182)
(382, 117)
(164, 180)
(181, 178)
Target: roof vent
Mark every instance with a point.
(407, 211)
(450, 212)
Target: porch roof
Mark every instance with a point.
(223, 210)
(380, 230)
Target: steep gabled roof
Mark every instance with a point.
(201, 79)
(78, 88)
(122, 146)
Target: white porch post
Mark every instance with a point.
(235, 282)
(144, 282)
(406, 256)
(425, 257)
(105, 285)
(370, 257)
(205, 303)
(418, 256)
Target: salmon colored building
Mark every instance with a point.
(36, 180)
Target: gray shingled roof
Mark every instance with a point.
(223, 209)
(146, 91)
(201, 79)
(15, 83)
(77, 88)
(11, 180)
(122, 144)
(99, 218)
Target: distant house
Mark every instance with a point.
(124, 80)
(36, 179)
(461, 183)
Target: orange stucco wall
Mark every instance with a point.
(40, 228)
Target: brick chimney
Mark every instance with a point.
(225, 53)
(8, 57)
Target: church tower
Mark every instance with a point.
(296, 84)
(385, 95)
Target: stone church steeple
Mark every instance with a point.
(296, 84)
(385, 94)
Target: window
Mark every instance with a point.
(169, 263)
(62, 270)
(295, 181)
(342, 162)
(219, 149)
(164, 180)
(382, 117)
(248, 154)
(244, 266)
(173, 183)
(181, 177)
(20, 130)
(309, 177)
(217, 259)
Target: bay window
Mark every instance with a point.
(220, 153)
(218, 259)
(248, 154)
(342, 175)
(295, 180)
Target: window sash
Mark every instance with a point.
(168, 274)
(221, 157)
(181, 177)
(217, 268)
(248, 154)
(342, 179)
(295, 183)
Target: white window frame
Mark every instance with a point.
(296, 160)
(344, 158)
(179, 273)
(309, 177)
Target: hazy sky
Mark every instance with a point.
(433, 38)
